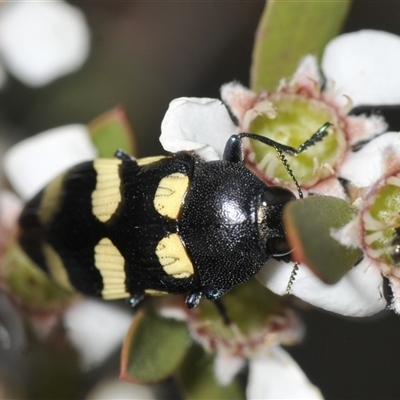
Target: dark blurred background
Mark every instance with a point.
(143, 55)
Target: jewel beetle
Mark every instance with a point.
(127, 228)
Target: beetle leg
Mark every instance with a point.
(193, 298)
(136, 300)
(222, 310)
(124, 156)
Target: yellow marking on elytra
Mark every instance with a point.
(154, 292)
(51, 199)
(148, 160)
(56, 267)
(170, 194)
(110, 263)
(107, 195)
(173, 257)
(114, 296)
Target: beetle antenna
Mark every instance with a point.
(316, 137)
(289, 170)
(232, 148)
(292, 279)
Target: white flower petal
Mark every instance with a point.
(199, 124)
(365, 66)
(97, 329)
(32, 163)
(329, 187)
(167, 311)
(10, 209)
(238, 98)
(366, 166)
(361, 127)
(41, 41)
(118, 389)
(349, 235)
(307, 74)
(226, 366)
(277, 376)
(358, 294)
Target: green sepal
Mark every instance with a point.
(248, 306)
(309, 224)
(197, 378)
(112, 131)
(153, 348)
(289, 30)
(29, 286)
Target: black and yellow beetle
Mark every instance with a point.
(126, 227)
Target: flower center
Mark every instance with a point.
(298, 118)
(381, 222)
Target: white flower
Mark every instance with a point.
(273, 374)
(112, 388)
(96, 329)
(33, 163)
(355, 75)
(41, 41)
(211, 119)
(277, 376)
(376, 227)
(365, 66)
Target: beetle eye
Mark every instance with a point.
(277, 195)
(278, 247)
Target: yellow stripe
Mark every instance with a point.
(113, 274)
(170, 194)
(148, 160)
(111, 290)
(114, 296)
(173, 257)
(110, 263)
(154, 292)
(107, 195)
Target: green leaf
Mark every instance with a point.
(153, 348)
(309, 223)
(29, 286)
(289, 30)
(112, 131)
(197, 378)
